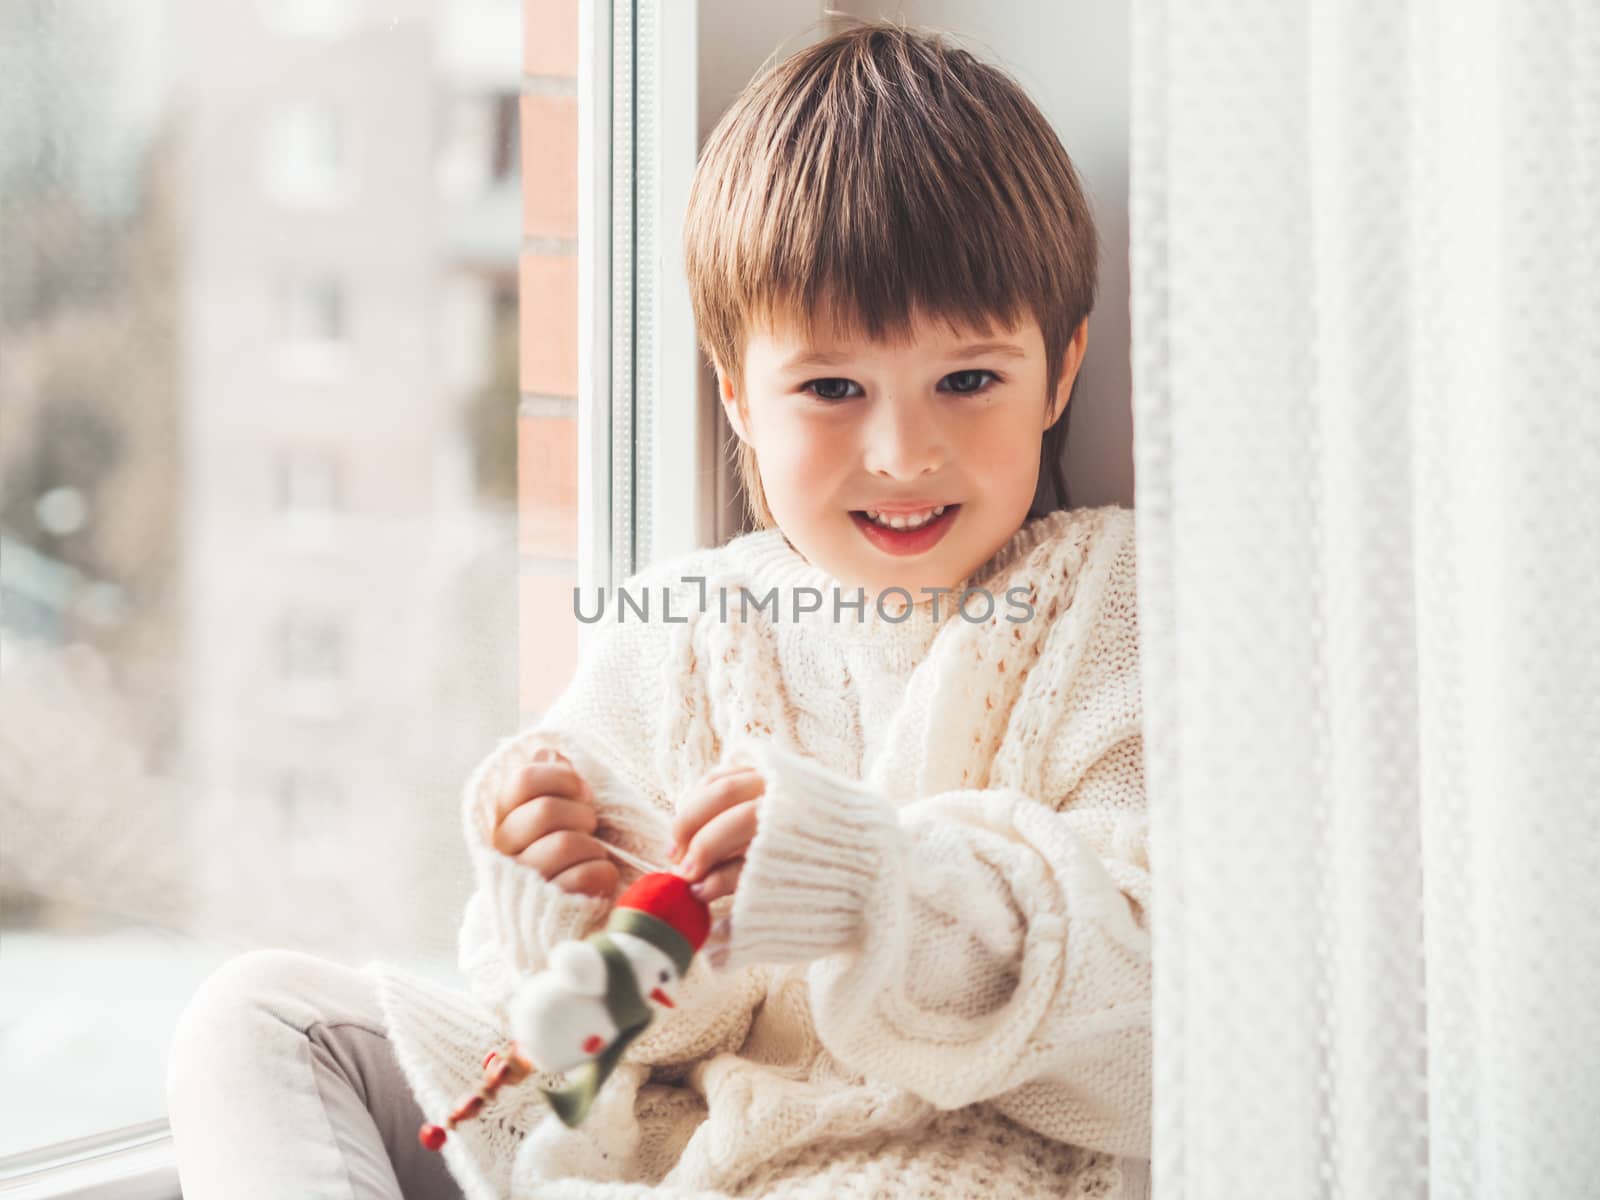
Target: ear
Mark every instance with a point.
(730, 404)
(1071, 360)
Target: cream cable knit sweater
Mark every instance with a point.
(938, 979)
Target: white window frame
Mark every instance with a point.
(134, 1163)
(649, 486)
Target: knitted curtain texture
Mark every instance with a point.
(1365, 252)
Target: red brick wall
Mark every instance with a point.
(547, 423)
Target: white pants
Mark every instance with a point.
(282, 1083)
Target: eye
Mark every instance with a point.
(969, 383)
(829, 389)
(666, 975)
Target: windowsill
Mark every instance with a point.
(137, 1163)
(130, 1156)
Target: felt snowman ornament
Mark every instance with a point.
(594, 997)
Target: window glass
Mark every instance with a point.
(259, 594)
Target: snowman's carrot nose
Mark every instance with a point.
(661, 997)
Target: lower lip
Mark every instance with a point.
(907, 541)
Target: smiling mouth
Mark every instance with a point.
(905, 519)
(905, 541)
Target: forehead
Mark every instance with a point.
(832, 335)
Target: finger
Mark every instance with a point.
(597, 877)
(723, 837)
(540, 779)
(721, 769)
(543, 815)
(720, 882)
(708, 801)
(555, 852)
(712, 801)
(549, 754)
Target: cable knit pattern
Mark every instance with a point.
(937, 980)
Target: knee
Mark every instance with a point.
(230, 1015)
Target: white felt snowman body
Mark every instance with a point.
(594, 997)
(560, 1018)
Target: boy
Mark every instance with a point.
(923, 824)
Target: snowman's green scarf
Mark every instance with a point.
(624, 1003)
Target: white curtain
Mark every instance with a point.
(1366, 340)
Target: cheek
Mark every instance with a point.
(802, 453)
(1004, 452)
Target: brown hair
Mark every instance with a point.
(874, 175)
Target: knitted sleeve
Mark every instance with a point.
(975, 945)
(605, 722)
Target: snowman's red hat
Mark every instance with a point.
(660, 908)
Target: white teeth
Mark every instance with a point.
(906, 520)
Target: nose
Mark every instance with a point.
(904, 440)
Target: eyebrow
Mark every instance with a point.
(832, 358)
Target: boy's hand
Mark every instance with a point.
(714, 827)
(545, 818)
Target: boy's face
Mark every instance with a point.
(900, 430)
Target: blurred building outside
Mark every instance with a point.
(259, 501)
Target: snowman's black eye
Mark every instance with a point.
(666, 975)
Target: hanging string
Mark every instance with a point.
(634, 860)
